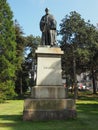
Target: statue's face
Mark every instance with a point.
(47, 11)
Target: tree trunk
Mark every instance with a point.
(93, 81)
(21, 91)
(75, 78)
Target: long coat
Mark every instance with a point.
(48, 27)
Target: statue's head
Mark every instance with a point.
(47, 10)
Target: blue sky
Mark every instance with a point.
(29, 12)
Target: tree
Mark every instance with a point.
(20, 47)
(71, 28)
(7, 51)
(30, 59)
(26, 46)
(93, 49)
(78, 38)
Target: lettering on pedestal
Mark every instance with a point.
(49, 68)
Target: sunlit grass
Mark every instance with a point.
(87, 116)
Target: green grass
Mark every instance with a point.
(87, 117)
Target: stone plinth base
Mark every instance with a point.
(48, 92)
(49, 109)
(49, 115)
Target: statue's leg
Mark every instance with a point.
(43, 38)
(48, 37)
(51, 37)
(55, 37)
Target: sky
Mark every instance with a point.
(29, 12)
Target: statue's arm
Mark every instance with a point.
(42, 24)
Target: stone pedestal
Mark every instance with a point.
(49, 109)
(48, 92)
(48, 99)
(49, 66)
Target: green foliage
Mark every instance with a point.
(80, 43)
(7, 51)
(25, 54)
(31, 45)
(30, 59)
(20, 46)
(6, 90)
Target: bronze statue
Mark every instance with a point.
(48, 27)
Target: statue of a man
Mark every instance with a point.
(48, 27)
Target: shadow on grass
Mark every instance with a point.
(9, 121)
(87, 95)
(7, 125)
(15, 122)
(10, 117)
(88, 108)
(87, 119)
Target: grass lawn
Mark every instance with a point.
(87, 119)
